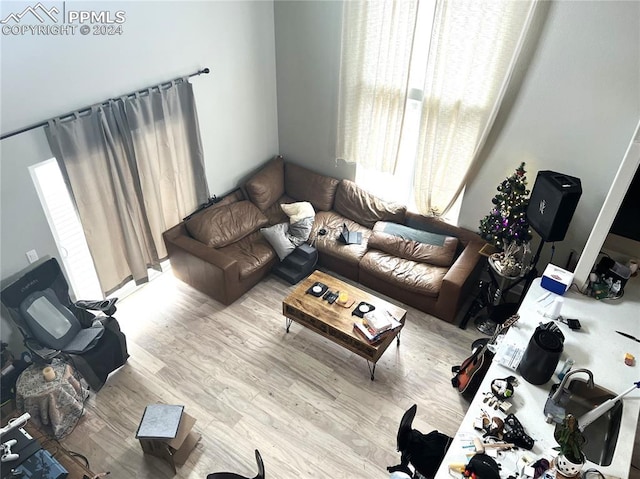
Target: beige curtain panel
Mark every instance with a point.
(377, 43)
(474, 47)
(134, 168)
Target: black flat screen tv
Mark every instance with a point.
(627, 222)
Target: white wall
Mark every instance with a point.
(575, 113)
(619, 248)
(44, 76)
(308, 39)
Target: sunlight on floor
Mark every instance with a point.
(150, 299)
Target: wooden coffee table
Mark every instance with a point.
(335, 322)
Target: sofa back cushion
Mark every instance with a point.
(356, 204)
(305, 185)
(219, 227)
(414, 245)
(231, 197)
(267, 185)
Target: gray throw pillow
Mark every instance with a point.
(276, 235)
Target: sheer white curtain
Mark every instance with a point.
(420, 85)
(474, 46)
(134, 168)
(377, 44)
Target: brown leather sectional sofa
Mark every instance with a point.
(418, 260)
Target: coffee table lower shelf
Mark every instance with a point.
(358, 346)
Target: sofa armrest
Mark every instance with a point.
(459, 280)
(205, 268)
(208, 254)
(464, 265)
(178, 237)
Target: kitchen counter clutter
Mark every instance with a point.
(596, 347)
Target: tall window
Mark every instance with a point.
(421, 83)
(67, 230)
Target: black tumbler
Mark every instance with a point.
(541, 357)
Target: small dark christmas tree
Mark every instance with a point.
(507, 223)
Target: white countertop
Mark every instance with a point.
(596, 346)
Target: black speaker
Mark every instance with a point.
(553, 201)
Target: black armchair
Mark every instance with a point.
(52, 325)
(232, 475)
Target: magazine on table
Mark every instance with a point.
(390, 323)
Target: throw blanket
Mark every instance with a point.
(299, 232)
(412, 234)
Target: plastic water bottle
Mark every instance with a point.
(615, 288)
(568, 364)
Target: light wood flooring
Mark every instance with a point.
(305, 403)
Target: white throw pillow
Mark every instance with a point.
(298, 211)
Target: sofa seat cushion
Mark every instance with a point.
(267, 185)
(221, 226)
(355, 203)
(421, 278)
(306, 185)
(330, 244)
(415, 245)
(252, 253)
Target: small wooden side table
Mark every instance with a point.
(55, 405)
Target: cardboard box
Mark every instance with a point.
(556, 280)
(176, 450)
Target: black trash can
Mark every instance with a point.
(541, 357)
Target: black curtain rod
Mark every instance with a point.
(87, 109)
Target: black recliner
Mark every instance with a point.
(94, 345)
